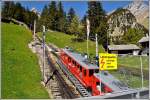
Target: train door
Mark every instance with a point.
(85, 76)
(80, 72)
(78, 69)
(75, 67)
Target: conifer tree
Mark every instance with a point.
(8, 9)
(61, 18)
(97, 18)
(52, 16)
(71, 14)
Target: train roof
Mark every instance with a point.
(111, 81)
(80, 59)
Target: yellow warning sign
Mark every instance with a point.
(107, 61)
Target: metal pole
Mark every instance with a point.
(34, 29)
(88, 31)
(43, 53)
(96, 45)
(87, 48)
(141, 70)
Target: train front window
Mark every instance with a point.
(91, 72)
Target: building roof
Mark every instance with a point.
(80, 59)
(144, 39)
(123, 47)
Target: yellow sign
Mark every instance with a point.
(107, 61)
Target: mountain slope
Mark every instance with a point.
(140, 10)
(120, 21)
(20, 70)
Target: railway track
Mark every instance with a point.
(64, 88)
(81, 89)
(56, 84)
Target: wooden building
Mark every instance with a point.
(144, 42)
(124, 49)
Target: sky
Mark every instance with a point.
(80, 7)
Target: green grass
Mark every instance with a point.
(21, 74)
(61, 40)
(134, 62)
(130, 80)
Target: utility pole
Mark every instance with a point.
(96, 45)
(141, 70)
(88, 32)
(43, 53)
(34, 29)
(97, 58)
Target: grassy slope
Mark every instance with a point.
(134, 62)
(20, 70)
(62, 40)
(130, 80)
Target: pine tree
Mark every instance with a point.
(8, 9)
(61, 18)
(97, 18)
(71, 14)
(26, 16)
(74, 26)
(44, 16)
(18, 15)
(52, 16)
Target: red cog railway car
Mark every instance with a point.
(88, 74)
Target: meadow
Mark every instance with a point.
(20, 73)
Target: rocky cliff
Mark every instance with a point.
(120, 21)
(140, 10)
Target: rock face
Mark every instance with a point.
(140, 10)
(120, 21)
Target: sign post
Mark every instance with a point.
(107, 61)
